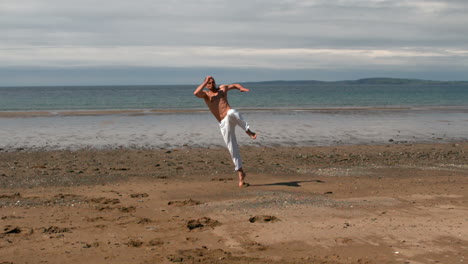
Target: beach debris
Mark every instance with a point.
(134, 243)
(104, 200)
(67, 196)
(10, 196)
(255, 246)
(144, 220)
(11, 217)
(263, 218)
(222, 179)
(343, 240)
(88, 245)
(189, 202)
(155, 242)
(55, 230)
(11, 230)
(94, 219)
(328, 193)
(210, 255)
(175, 258)
(127, 209)
(202, 223)
(169, 163)
(139, 195)
(120, 169)
(103, 208)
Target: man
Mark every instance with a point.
(228, 118)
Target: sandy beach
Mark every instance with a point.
(389, 203)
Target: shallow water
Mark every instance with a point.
(200, 129)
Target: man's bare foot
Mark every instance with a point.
(251, 134)
(244, 184)
(241, 178)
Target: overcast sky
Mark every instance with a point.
(84, 42)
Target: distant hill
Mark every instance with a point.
(286, 82)
(366, 81)
(400, 81)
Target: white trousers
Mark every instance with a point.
(228, 130)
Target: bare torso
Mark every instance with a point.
(217, 103)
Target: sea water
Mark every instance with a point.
(40, 118)
(261, 96)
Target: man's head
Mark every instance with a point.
(211, 84)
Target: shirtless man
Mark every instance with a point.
(228, 118)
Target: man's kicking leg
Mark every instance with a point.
(239, 120)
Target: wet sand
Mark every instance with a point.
(395, 203)
(140, 130)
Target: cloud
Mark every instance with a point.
(261, 23)
(229, 57)
(286, 34)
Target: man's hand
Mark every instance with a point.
(243, 89)
(208, 78)
(199, 92)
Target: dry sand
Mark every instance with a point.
(349, 204)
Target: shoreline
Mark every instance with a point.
(372, 204)
(107, 112)
(200, 129)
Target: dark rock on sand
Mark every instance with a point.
(139, 195)
(10, 196)
(55, 229)
(11, 230)
(134, 243)
(202, 223)
(184, 203)
(175, 258)
(127, 209)
(263, 218)
(155, 242)
(104, 200)
(144, 221)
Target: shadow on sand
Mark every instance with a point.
(290, 184)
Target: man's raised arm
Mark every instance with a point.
(237, 87)
(199, 91)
